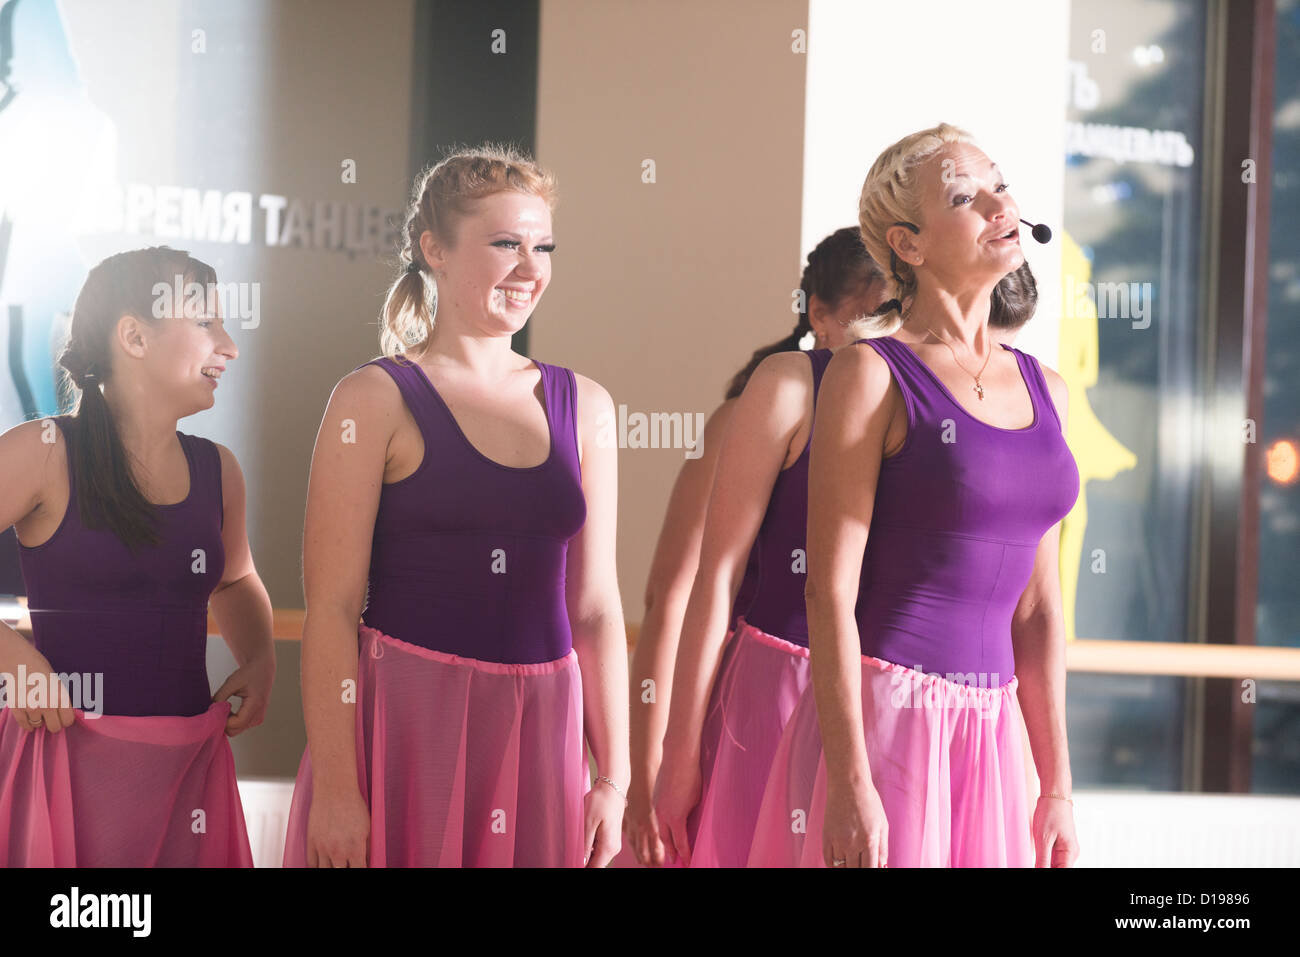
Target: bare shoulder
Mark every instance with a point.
(228, 460)
(782, 373)
(1058, 388)
(367, 389)
(230, 470)
(35, 436)
(857, 369)
(33, 465)
(35, 445)
(367, 378)
(593, 398)
(717, 421)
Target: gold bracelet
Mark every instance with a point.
(1059, 797)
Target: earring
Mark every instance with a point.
(808, 340)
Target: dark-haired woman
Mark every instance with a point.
(835, 288)
(128, 529)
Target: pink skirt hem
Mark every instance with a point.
(462, 763)
(122, 791)
(753, 698)
(759, 682)
(947, 760)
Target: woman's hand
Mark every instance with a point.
(677, 792)
(338, 829)
(1054, 838)
(252, 685)
(855, 832)
(602, 815)
(641, 823)
(53, 719)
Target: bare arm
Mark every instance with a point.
(242, 608)
(347, 475)
(774, 409)
(772, 414)
(26, 456)
(1038, 638)
(596, 618)
(854, 412)
(676, 558)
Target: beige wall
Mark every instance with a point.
(662, 290)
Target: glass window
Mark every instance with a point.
(1130, 337)
(1276, 745)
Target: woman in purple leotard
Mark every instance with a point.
(833, 283)
(754, 510)
(727, 727)
(128, 529)
(933, 530)
(460, 522)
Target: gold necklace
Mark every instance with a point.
(979, 389)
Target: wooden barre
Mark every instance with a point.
(1084, 655)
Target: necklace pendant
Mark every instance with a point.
(979, 390)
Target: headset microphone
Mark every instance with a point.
(1039, 231)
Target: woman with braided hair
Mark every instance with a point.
(464, 634)
(128, 529)
(839, 284)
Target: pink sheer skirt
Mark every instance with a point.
(463, 763)
(759, 683)
(122, 791)
(946, 758)
(753, 697)
(627, 856)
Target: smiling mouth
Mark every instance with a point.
(516, 297)
(212, 372)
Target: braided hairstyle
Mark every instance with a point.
(121, 285)
(442, 196)
(837, 267)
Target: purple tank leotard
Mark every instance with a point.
(468, 555)
(959, 513)
(142, 620)
(778, 607)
